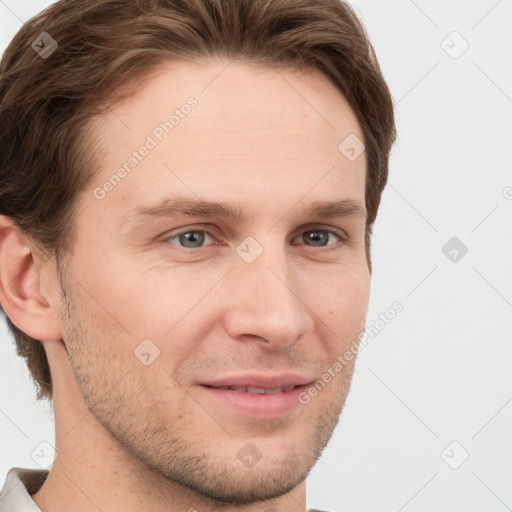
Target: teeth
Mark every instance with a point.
(257, 391)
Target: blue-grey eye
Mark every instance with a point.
(190, 239)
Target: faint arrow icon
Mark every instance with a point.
(454, 249)
(454, 45)
(454, 455)
(249, 455)
(44, 45)
(146, 352)
(44, 454)
(352, 147)
(249, 249)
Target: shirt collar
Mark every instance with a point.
(19, 484)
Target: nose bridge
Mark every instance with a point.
(265, 301)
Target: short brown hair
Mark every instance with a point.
(48, 154)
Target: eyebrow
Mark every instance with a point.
(174, 207)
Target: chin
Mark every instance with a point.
(237, 485)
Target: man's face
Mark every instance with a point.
(274, 292)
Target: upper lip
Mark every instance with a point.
(260, 381)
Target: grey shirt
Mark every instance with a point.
(21, 483)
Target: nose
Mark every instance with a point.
(266, 300)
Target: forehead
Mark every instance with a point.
(230, 125)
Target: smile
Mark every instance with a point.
(256, 391)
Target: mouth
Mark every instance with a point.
(252, 390)
(263, 403)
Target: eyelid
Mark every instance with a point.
(189, 230)
(342, 235)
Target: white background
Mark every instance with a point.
(441, 370)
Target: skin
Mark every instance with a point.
(133, 437)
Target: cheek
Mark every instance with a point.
(144, 302)
(347, 288)
(344, 305)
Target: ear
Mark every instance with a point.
(30, 308)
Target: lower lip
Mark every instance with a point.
(260, 406)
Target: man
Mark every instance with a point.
(188, 191)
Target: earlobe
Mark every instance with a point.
(21, 296)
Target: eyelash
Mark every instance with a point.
(340, 234)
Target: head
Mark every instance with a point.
(260, 100)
